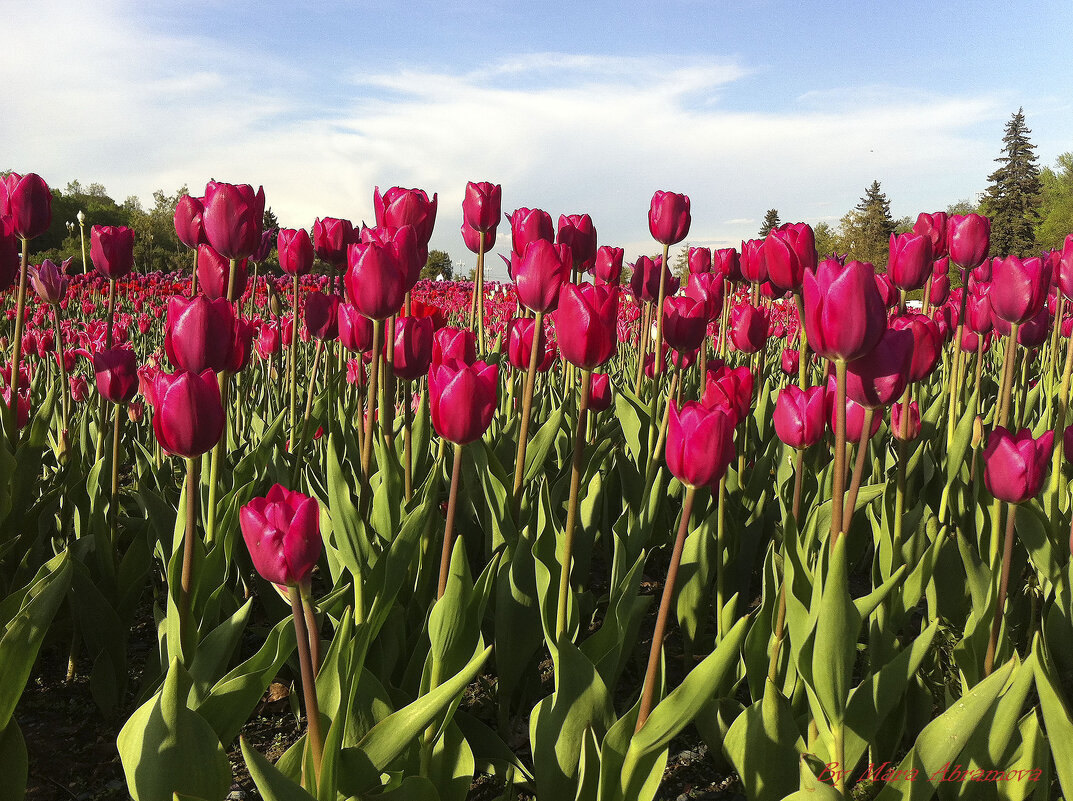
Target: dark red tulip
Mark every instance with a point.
(463, 399)
(10, 260)
(644, 283)
(399, 207)
(26, 203)
(700, 260)
(80, 391)
(199, 333)
(233, 218)
(1016, 464)
(1035, 331)
(600, 393)
(727, 263)
(978, 314)
(188, 221)
(1067, 443)
(887, 291)
(454, 344)
(22, 406)
(790, 361)
(1018, 288)
(608, 266)
(753, 265)
(940, 289)
(539, 274)
(668, 217)
(214, 274)
(111, 250)
(748, 328)
(968, 238)
(331, 238)
(577, 231)
(911, 422)
(707, 288)
(117, 374)
(472, 238)
(268, 341)
(282, 533)
(800, 415)
(50, 281)
(730, 388)
(410, 253)
(927, 343)
(529, 225)
(1063, 272)
(482, 206)
(844, 313)
(854, 415)
(586, 324)
(700, 444)
(685, 322)
(520, 334)
(934, 227)
(413, 347)
(188, 418)
(911, 260)
(322, 315)
(242, 346)
(355, 329)
(419, 308)
(789, 251)
(376, 281)
(880, 378)
(295, 250)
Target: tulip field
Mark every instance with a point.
(806, 523)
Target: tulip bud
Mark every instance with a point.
(854, 415)
(376, 281)
(112, 250)
(911, 422)
(684, 323)
(454, 344)
(529, 225)
(608, 266)
(282, 532)
(117, 374)
(399, 207)
(577, 231)
(700, 260)
(188, 221)
(881, 377)
(933, 227)
(539, 274)
(472, 238)
(753, 265)
(730, 388)
(233, 218)
(644, 283)
(927, 345)
(199, 333)
(241, 346)
(668, 217)
(322, 315)
(910, 261)
(586, 324)
(800, 415)
(520, 334)
(726, 263)
(26, 203)
(482, 205)
(844, 314)
(790, 362)
(49, 281)
(1016, 464)
(940, 289)
(413, 347)
(355, 329)
(463, 399)
(789, 251)
(295, 250)
(748, 328)
(1018, 288)
(968, 238)
(600, 393)
(188, 417)
(700, 443)
(331, 238)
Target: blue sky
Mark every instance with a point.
(580, 107)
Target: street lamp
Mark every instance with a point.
(82, 233)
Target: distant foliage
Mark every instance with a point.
(1014, 193)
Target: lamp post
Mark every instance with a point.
(82, 233)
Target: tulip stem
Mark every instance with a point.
(649, 691)
(313, 628)
(954, 389)
(193, 273)
(642, 347)
(653, 462)
(571, 510)
(16, 343)
(113, 507)
(299, 447)
(799, 477)
(838, 482)
(858, 470)
(1057, 479)
(374, 380)
(111, 314)
(65, 388)
(224, 383)
(802, 362)
(193, 469)
(387, 391)
(292, 415)
(720, 561)
(1009, 364)
(1000, 605)
(407, 445)
(449, 529)
(314, 739)
(535, 351)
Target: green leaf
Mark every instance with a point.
(166, 747)
(451, 767)
(215, 650)
(955, 456)
(272, 784)
(812, 789)
(536, 452)
(837, 628)
(1056, 717)
(15, 761)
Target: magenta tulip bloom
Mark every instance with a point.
(295, 250)
(854, 415)
(927, 343)
(940, 289)
(482, 206)
(880, 378)
(753, 264)
(399, 207)
(355, 329)
(644, 283)
(242, 346)
(413, 347)
(1063, 272)
(188, 418)
(375, 280)
(600, 393)
(700, 444)
(577, 231)
(911, 259)
(331, 238)
(410, 253)
(282, 532)
(748, 328)
(586, 324)
(10, 260)
(968, 238)
(668, 217)
(790, 361)
(26, 203)
(49, 281)
(911, 422)
(463, 399)
(727, 263)
(844, 313)
(214, 274)
(800, 415)
(684, 322)
(529, 225)
(978, 314)
(700, 260)
(472, 238)
(789, 251)
(729, 388)
(1016, 464)
(322, 315)
(520, 334)
(233, 218)
(454, 344)
(117, 374)
(199, 333)
(1018, 288)
(111, 250)
(707, 288)
(608, 266)
(188, 221)
(933, 227)
(539, 274)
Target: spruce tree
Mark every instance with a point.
(771, 220)
(867, 228)
(1014, 193)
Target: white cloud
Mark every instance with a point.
(107, 98)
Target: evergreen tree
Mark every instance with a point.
(439, 265)
(771, 220)
(680, 262)
(270, 220)
(1014, 193)
(866, 229)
